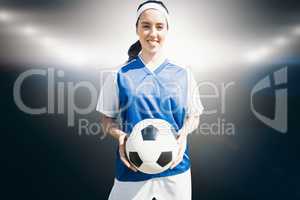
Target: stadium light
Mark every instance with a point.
(296, 31)
(258, 55)
(29, 30)
(280, 41)
(5, 16)
(47, 41)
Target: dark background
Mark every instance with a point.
(42, 158)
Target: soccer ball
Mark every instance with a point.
(152, 146)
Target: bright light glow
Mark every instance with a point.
(5, 16)
(72, 56)
(66, 54)
(199, 49)
(47, 41)
(280, 41)
(296, 31)
(258, 55)
(29, 30)
(200, 53)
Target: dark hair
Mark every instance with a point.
(135, 48)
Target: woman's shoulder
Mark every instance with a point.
(112, 72)
(180, 64)
(124, 67)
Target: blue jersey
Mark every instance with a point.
(145, 94)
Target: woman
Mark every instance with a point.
(150, 86)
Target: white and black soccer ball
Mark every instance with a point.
(152, 146)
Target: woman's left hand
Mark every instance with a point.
(181, 140)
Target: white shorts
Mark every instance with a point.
(177, 187)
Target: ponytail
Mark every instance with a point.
(134, 50)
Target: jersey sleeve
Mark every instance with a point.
(194, 104)
(108, 101)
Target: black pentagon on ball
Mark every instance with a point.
(164, 158)
(135, 159)
(149, 133)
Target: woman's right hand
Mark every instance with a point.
(122, 152)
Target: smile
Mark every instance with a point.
(153, 41)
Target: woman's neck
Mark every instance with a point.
(149, 58)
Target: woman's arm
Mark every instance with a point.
(111, 127)
(191, 123)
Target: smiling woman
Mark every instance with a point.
(123, 96)
(152, 31)
(151, 27)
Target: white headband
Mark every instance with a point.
(152, 6)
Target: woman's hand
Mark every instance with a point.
(181, 140)
(122, 152)
(112, 127)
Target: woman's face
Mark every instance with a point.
(152, 30)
